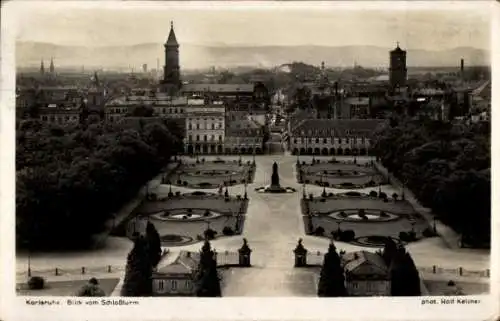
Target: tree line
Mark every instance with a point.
(71, 178)
(447, 166)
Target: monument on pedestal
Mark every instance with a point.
(275, 186)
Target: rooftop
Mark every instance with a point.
(185, 263)
(336, 127)
(353, 260)
(219, 88)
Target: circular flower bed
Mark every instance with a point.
(175, 240)
(363, 215)
(185, 214)
(374, 240)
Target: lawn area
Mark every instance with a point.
(441, 287)
(338, 174)
(66, 288)
(211, 174)
(399, 216)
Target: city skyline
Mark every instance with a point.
(415, 28)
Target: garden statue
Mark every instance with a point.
(275, 178)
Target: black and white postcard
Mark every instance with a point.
(294, 160)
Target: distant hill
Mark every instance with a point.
(199, 56)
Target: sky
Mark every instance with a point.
(416, 26)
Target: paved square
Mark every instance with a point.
(212, 174)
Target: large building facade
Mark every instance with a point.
(205, 128)
(332, 136)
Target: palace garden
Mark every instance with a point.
(203, 174)
(363, 219)
(185, 218)
(336, 174)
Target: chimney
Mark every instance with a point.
(462, 65)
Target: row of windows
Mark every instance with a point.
(243, 139)
(205, 138)
(59, 119)
(205, 126)
(173, 285)
(327, 140)
(310, 132)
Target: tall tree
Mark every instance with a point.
(207, 279)
(332, 280)
(405, 279)
(154, 244)
(138, 273)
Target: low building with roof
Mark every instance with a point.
(366, 274)
(178, 277)
(333, 136)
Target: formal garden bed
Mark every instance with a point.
(336, 174)
(363, 219)
(182, 219)
(212, 174)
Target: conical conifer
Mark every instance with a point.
(332, 280)
(138, 274)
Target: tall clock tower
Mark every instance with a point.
(171, 70)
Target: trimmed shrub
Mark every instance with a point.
(347, 236)
(184, 217)
(382, 195)
(322, 200)
(179, 182)
(177, 193)
(206, 213)
(383, 214)
(189, 210)
(373, 194)
(228, 231)
(319, 231)
(403, 236)
(36, 283)
(185, 183)
(412, 236)
(395, 196)
(198, 193)
(210, 234)
(330, 194)
(311, 196)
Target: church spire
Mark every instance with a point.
(51, 68)
(172, 39)
(42, 68)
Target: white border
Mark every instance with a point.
(14, 308)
